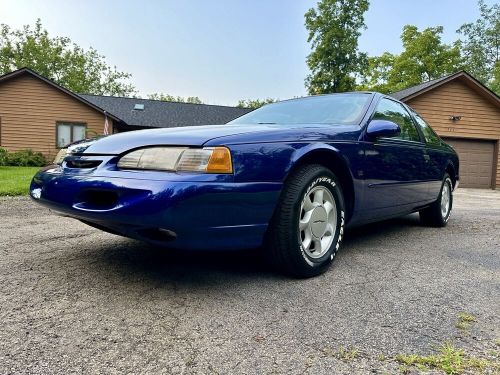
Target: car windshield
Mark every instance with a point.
(339, 109)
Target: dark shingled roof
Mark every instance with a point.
(161, 114)
(411, 92)
(400, 95)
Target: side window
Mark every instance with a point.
(395, 112)
(429, 135)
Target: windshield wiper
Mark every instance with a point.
(266, 123)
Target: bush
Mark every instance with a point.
(23, 158)
(3, 156)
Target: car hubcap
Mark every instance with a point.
(445, 199)
(318, 221)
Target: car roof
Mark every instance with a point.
(331, 94)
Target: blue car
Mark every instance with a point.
(288, 177)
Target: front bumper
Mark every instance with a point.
(191, 214)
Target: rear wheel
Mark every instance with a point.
(307, 227)
(438, 213)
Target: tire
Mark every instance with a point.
(438, 213)
(305, 235)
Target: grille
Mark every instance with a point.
(83, 164)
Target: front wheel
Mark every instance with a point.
(438, 213)
(308, 225)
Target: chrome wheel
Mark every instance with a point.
(445, 199)
(318, 222)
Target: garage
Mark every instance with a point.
(476, 162)
(466, 114)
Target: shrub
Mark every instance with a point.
(3, 156)
(23, 158)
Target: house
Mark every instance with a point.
(466, 114)
(38, 114)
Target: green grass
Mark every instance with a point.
(346, 354)
(16, 180)
(448, 359)
(464, 320)
(342, 353)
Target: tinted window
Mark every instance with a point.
(395, 112)
(342, 109)
(429, 135)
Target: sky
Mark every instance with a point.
(221, 50)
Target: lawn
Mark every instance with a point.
(16, 180)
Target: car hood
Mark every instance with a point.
(211, 135)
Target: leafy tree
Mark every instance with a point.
(425, 57)
(171, 98)
(61, 60)
(379, 73)
(255, 103)
(334, 28)
(495, 84)
(481, 46)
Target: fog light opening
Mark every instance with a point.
(157, 234)
(98, 199)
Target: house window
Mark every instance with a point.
(69, 132)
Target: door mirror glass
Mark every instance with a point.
(383, 128)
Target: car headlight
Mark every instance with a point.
(179, 159)
(60, 156)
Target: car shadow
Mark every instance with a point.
(357, 238)
(125, 256)
(169, 264)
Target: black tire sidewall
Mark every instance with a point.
(296, 257)
(432, 215)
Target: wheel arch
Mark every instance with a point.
(451, 170)
(330, 158)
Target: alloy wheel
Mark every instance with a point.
(445, 199)
(318, 222)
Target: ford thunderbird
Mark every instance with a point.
(288, 178)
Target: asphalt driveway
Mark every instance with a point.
(76, 300)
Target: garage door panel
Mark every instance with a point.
(476, 161)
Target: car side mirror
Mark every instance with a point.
(382, 128)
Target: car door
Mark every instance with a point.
(393, 168)
(435, 157)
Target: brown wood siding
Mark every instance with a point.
(30, 109)
(480, 116)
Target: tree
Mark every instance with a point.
(255, 103)
(425, 57)
(495, 84)
(178, 99)
(481, 46)
(334, 28)
(61, 60)
(379, 73)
